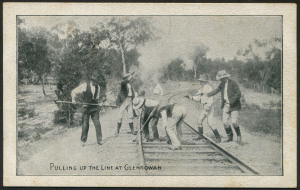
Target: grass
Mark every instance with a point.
(261, 120)
(257, 119)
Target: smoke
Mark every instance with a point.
(156, 55)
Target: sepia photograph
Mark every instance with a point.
(163, 95)
(125, 96)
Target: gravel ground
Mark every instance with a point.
(61, 145)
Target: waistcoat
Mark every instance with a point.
(88, 96)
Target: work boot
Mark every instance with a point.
(119, 127)
(131, 128)
(155, 139)
(239, 139)
(175, 148)
(165, 138)
(169, 142)
(155, 135)
(146, 140)
(217, 135)
(200, 135)
(229, 134)
(238, 133)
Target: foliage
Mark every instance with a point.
(33, 51)
(267, 121)
(254, 67)
(126, 33)
(199, 57)
(71, 55)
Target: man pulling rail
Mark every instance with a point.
(208, 108)
(172, 116)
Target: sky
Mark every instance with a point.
(224, 35)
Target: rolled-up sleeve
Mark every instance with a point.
(80, 89)
(130, 93)
(198, 96)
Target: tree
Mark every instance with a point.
(175, 69)
(198, 56)
(33, 52)
(262, 62)
(126, 34)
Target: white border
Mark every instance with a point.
(289, 179)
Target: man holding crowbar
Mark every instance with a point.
(91, 88)
(172, 116)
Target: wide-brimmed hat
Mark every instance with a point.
(127, 75)
(204, 78)
(222, 74)
(138, 102)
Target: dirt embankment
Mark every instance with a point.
(36, 132)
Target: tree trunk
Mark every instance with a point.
(195, 71)
(123, 58)
(43, 85)
(195, 67)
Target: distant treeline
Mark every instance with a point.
(257, 67)
(67, 54)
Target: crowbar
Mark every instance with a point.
(82, 103)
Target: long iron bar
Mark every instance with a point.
(82, 103)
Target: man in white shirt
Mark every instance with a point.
(146, 117)
(90, 90)
(208, 108)
(172, 116)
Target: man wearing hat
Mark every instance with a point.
(231, 105)
(125, 98)
(208, 108)
(92, 89)
(172, 116)
(145, 109)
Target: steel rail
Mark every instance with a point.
(228, 156)
(241, 164)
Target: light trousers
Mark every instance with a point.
(173, 124)
(126, 106)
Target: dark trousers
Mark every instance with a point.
(85, 125)
(154, 122)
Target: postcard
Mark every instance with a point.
(149, 95)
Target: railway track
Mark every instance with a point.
(195, 158)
